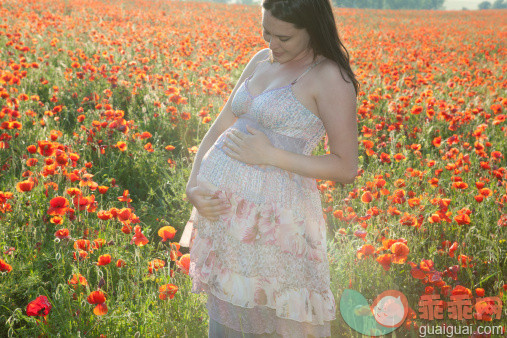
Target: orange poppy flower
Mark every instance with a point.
(166, 232)
(104, 215)
(121, 145)
(96, 297)
(155, 265)
(465, 261)
(103, 189)
(184, 263)
(25, 186)
(125, 197)
(366, 197)
(139, 239)
(74, 192)
(453, 248)
(98, 243)
(168, 290)
(31, 162)
(46, 148)
(104, 260)
(175, 251)
(82, 244)
(480, 292)
(385, 261)
(77, 279)
(365, 251)
(462, 219)
(400, 252)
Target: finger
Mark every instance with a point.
(204, 192)
(233, 146)
(237, 135)
(234, 138)
(231, 153)
(251, 129)
(216, 202)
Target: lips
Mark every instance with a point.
(277, 54)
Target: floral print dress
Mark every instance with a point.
(264, 264)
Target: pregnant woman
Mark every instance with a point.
(257, 233)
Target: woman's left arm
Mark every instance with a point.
(336, 102)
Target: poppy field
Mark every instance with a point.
(102, 108)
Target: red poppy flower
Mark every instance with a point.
(38, 307)
(98, 298)
(46, 148)
(104, 260)
(62, 233)
(4, 266)
(124, 215)
(58, 206)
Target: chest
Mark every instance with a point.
(266, 81)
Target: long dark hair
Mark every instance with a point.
(316, 16)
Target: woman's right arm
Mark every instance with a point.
(224, 120)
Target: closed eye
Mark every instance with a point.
(282, 38)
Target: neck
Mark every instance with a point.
(304, 58)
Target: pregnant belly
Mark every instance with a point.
(255, 183)
(230, 174)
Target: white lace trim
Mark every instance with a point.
(260, 320)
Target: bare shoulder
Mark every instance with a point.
(333, 80)
(260, 56)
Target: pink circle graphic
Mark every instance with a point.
(390, 308)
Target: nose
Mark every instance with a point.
(272, 44)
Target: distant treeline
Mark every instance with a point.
(390, 4)
(378, 4)
(498, 4)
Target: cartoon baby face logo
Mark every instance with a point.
(390, 308)
(387, 312)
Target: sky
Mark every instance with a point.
(459, 4)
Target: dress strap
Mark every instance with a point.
(307, 70)
(256, 66)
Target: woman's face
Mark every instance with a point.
(285, 40)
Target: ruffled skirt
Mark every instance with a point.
(263, 264)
